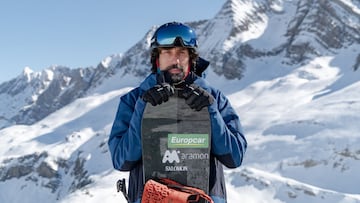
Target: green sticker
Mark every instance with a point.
(188, 140)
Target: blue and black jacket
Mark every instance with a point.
(227, 148)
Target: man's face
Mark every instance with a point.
(175, 60)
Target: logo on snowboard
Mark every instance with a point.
(182, 141)
(171, 157)
(188, 140)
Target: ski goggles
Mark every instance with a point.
(167, 35)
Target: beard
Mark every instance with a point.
(174, 77)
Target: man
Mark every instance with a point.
(175, 64)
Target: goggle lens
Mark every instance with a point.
(167, 34)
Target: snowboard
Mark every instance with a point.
(176, 143)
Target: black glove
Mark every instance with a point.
(196, 97)
(158, 94)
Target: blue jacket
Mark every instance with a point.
(227, 148)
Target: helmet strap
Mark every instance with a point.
(187, 71)
(157, 65)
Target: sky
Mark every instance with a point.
(81, 33)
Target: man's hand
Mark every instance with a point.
(158, 94)
(196, 97)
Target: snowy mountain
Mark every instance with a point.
(32, 96)
(289, 68)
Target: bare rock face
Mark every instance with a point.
(35, 169)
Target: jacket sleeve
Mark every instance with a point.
(125, 137)
(228, 141)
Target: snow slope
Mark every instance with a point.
(303, 142)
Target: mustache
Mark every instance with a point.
(174, 67)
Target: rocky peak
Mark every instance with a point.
(320, 27)
(296, 31)
(33, 95)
